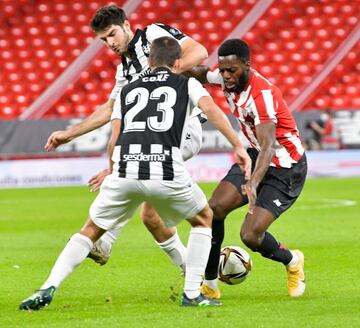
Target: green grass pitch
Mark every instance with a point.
(139, 287)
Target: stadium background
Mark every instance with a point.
(54, 71)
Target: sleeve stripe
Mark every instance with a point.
(174, 32)
(269, 103)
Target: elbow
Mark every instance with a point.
(269, 150)
(203, 54)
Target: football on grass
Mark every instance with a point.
(235, 265)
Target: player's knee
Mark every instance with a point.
(151, 220)
(208, 215)
(250, 239)
(219, 210)
(203, 219)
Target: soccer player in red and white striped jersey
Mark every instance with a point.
(262, 102)
(279, 164)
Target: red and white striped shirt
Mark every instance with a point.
(261, 102)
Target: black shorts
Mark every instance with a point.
(279, 188)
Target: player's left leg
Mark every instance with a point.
(254, 234)
(278, 191)
(166, 238)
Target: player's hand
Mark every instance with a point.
(56, 139)
(95, 182)
(244, 161)
(249, 189)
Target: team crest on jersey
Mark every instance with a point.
(146, 49)
(174, 31)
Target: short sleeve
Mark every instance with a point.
(158, 30)
(119, 84)
(264, 107)
(196, 91)
(214, 77)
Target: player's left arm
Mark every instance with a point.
(193, 53)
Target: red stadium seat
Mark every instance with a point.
(8, 112)
(290, 42)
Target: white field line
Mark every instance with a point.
(326, 203)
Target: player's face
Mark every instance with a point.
(234, 72)
(117, 37)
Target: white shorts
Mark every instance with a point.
(119, 198)
(192, 140)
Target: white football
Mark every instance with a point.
(235, 265)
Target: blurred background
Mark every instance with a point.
(54, 72)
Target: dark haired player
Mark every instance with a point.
(278, 165)
(111, 25)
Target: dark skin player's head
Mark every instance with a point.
(234, 64)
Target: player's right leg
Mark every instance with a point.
(74, 253)
(225, 198)
(112, 206)
(199, 245)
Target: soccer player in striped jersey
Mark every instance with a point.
(278, 160)
(112, 26)
(149, 167)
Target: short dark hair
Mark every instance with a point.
(236, 47)
(107, 16)
(164, 51)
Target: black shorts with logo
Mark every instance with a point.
(279, 188)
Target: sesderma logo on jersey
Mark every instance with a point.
(141, 157)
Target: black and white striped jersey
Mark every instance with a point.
(137, 66)
(154, 110)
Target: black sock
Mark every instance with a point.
(212, 267)
(273, 250)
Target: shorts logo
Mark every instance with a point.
(188, 136)
(277, 202)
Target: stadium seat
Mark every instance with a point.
(290, 42)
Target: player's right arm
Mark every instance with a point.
(201, 98)
(98, 118)
(199, 72)
(95, 182)
(216, 116)
(204, 75)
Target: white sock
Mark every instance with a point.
(175, 249)
(75, 251)
(111, 235)
(294, 259)
(213, 284)
(198, 251)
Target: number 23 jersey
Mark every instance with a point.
(154, 110)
